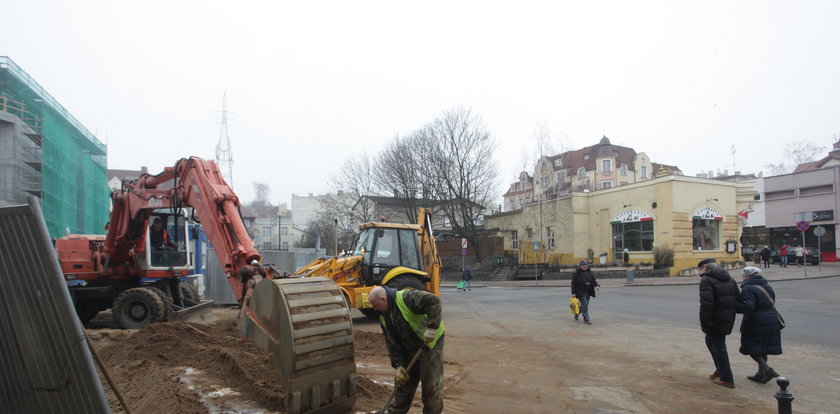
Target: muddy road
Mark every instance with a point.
(508, 350)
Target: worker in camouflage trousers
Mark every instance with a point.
(411, 320)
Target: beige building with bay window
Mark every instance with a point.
(697, 217)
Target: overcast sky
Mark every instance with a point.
(312, 83)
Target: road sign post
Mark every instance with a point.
(802, 226)
(536, 275)
(463, 254)
(819, 231)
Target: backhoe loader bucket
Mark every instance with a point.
(305, 326)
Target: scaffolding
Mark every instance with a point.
(55, 157)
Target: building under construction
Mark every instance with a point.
(45, 152)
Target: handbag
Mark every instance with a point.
(574, 305)
(773, 303)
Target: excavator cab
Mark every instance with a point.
(167, 244)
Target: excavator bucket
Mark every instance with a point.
(304, 325)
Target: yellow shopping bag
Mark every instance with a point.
(574, 305)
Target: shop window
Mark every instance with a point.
(514, 239)
(634, 236)
(706, 234)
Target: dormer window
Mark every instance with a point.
(586, 157)
(557, 162)
(623, 169)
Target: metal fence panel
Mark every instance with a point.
(46, 364)
(216, 286)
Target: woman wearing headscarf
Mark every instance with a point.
(761, 333)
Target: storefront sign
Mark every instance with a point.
(630, 216)
(708, 213)
(821, 215)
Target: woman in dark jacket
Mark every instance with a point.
(760, 330)
(583, 287)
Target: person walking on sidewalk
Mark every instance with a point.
(800, 255)
(466, 277)
(718, 296)
(584, 286)
(765, 256)
(783, 252)
(761, 334)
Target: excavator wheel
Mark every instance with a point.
(189, 294)
(406, 281)
(137, 307)
(304, 325)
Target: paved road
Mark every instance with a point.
(662, 320)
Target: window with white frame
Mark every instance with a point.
(581, 172)
(284, 230)
(606, 184)
(623, 169)
(267, 246)
(284, 246)
(561, 177)
(606, 166)
(266, 231)
(549, 233)
(514, 240)
(529, 233)
(643, 172)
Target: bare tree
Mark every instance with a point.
(800, 152)
(261, 206)
(460, 169)
(323, 229)
(398, 173)
(803, 152)
(542, 136)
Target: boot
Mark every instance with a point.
(769, 375)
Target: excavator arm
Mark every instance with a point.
(428, 249)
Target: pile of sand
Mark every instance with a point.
(186, 368)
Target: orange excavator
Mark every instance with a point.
(138, 270)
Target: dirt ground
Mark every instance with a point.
(494, 363)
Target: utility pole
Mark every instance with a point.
(224, 152)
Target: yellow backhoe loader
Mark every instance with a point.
(389, 254)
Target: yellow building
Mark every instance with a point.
(697, 217)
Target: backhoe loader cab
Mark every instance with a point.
(387, 251)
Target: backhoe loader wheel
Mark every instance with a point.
(137, 307)
(405, 281)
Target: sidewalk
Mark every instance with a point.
(773, 273)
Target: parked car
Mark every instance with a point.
(811, 256)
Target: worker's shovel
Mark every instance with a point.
(407, 370)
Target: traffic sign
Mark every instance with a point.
(536, 246)
(463, 243)
(802, 225)
(819, 231)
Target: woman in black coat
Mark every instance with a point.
(761, 333)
